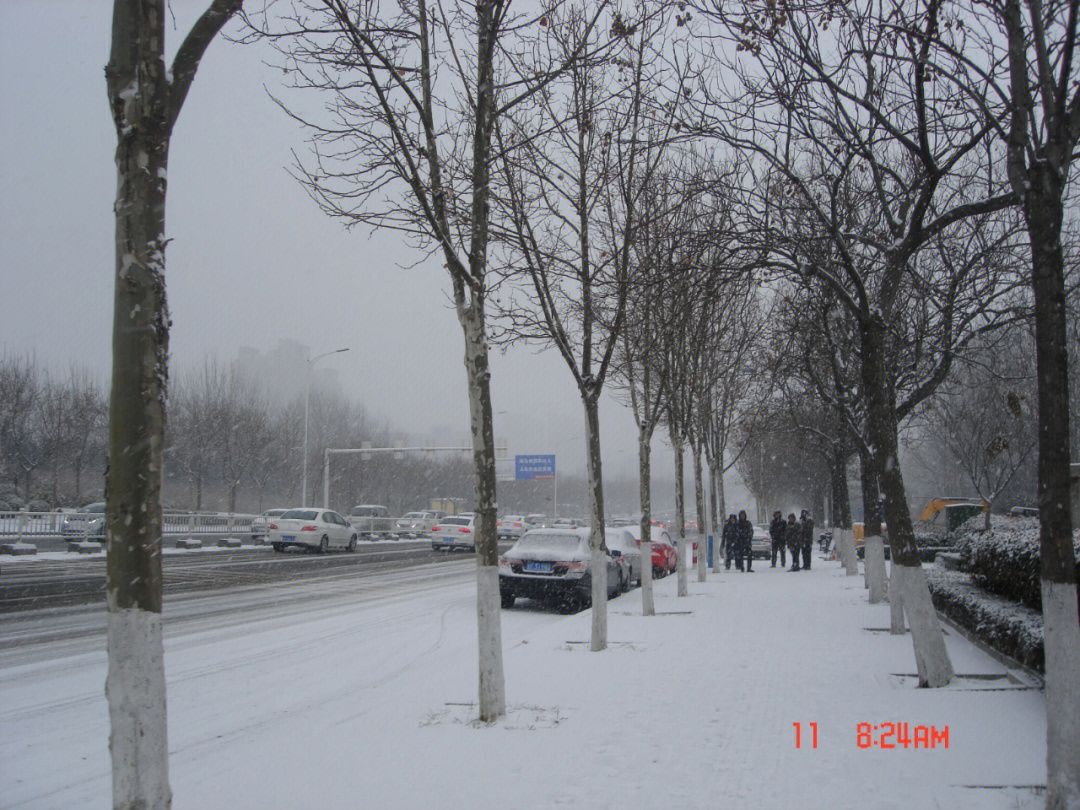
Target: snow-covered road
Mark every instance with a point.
(322, 696)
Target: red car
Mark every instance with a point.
(664, 556)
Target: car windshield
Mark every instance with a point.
(414, 515)
(456, 521)
(94, 508)
(300, 514)
(550, 542)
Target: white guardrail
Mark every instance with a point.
(29, 526)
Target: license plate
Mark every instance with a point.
(288, 538)
(538, 567)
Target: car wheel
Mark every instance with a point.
(324, 544)
(352, 544)
(507, 598)
(278, 547)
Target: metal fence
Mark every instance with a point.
(31, 526)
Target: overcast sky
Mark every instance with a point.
(252, 260)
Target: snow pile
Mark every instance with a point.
(1010, 628)
(1006, 559)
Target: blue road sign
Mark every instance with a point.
(526, 468)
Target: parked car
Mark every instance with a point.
(87, 521)
(537, 520)
(761, 543)
(315, 529)
(568, 523)
(622, 542)
(260, 524)
(454, 533)
(371, 520)
(553, 565)
(414, 524)
(512, 527)
(665, 558)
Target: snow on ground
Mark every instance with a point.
(364, 700)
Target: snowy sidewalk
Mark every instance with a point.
(366, 702)
(695, 709)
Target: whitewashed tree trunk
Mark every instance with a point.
(847, 553)
(721, 507)
(597, 548)
(145, 101)
(680, 517)
(711, 528)
(492, 684)
(648, 604)
(931, 658)
(875, 569)
(1061, 640)
(699, 502)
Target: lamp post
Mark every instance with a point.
(307, 407)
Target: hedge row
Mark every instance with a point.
(1011, 629)
(1006, 559)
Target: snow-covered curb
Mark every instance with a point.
(169, 550)
(1008, 627)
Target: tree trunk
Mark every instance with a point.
(138, 90)
(716, 508)
(597, 547)
(702, 518)
(680, 515)
(931, 657)
(1061, 629)
(873, 544)
(492, 686)
(648, 604)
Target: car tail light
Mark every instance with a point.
(272, 526)
(576, 565)
(498, 523)
(308, 528)
(517, 525)
(465, 530)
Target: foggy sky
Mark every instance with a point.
(252, 260)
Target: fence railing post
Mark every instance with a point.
(22, 527)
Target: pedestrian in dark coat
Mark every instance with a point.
(793, 538)
(728, 542)
(745, 533)
(776, 533)
(807, 528)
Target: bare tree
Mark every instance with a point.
(568, 209)
(411, 93)
(19, 391)
(986, 419)
(145, 98)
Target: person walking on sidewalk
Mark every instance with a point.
(807, 528)
(728, 541)
(745, 533)
(793, 538)
(776, 533)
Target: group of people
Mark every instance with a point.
(736, 541)
(796, 536)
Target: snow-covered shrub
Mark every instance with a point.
(1010, 628)
(1006, 559)
(38, 505)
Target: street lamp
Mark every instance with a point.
(307, 407)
